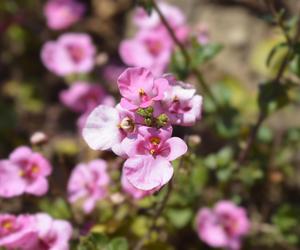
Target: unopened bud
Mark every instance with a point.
(148, 122)
(38, 138)
(162, 120)
(194, 140)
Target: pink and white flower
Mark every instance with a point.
(72, 53)
(223, 226)
(182, 103)
(150, 152)
(25, 172)
(89, 183)
(61, 14)
(139, 88)
(106, 127)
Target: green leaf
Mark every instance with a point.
(178, 65)
(204, 53)
(273, 97)
(273, 52)
(118, 243)
(180, 217)
(58, 208)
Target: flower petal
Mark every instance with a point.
(146, 172)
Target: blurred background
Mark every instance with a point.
(269, 183)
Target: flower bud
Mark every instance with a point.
(38, 138)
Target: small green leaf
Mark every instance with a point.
(118, 243)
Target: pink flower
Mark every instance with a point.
(139, 88)
(61, 14)
(88, 182)
(25, 172)
(224, 226)
(151, 49)
(53, 234)
(132, 191)
(183, 105)
(71, 53)
(106, 127)
(83, 97)
(150, 152)
(172, 13)
(17, 232)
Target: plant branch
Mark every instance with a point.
(185, 53)
(263, 115)
(159, 209)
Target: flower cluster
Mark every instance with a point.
(152, 46)
(139, 128)
(34, 232)
(61, 14)
(24, 172)
(83, 97)
(224, 226)
(88, 183)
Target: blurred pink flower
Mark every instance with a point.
(182, 104)
(224, 226)
(172, 13)
(133, 191)
(72, 53)
(83, 97)
(25, 172)
(53, 234)
(88, 182)
(150, 152)
(61, 14)
(17, 232)
(139, 88)
(151, 49)
(106, 127)
(34, 232)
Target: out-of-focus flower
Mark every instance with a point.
(150, 49)
(139, 88)
(18, 232)
(224, 226)
(88, 182)
(53, 234)
(61, 14)
(83, 97)
(34, 232)
(133, 191)
(183, 105)
(38, 138)
(25, 172)
(173, 14)
(202, 34)
(150, 153)
(72, 53)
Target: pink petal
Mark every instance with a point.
(101, 130)
(147, 173)
(177, 148)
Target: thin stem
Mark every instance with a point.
(159, 209)
(185, 53)
(262, 115)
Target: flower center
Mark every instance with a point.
(154, 145)
(127, 124)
